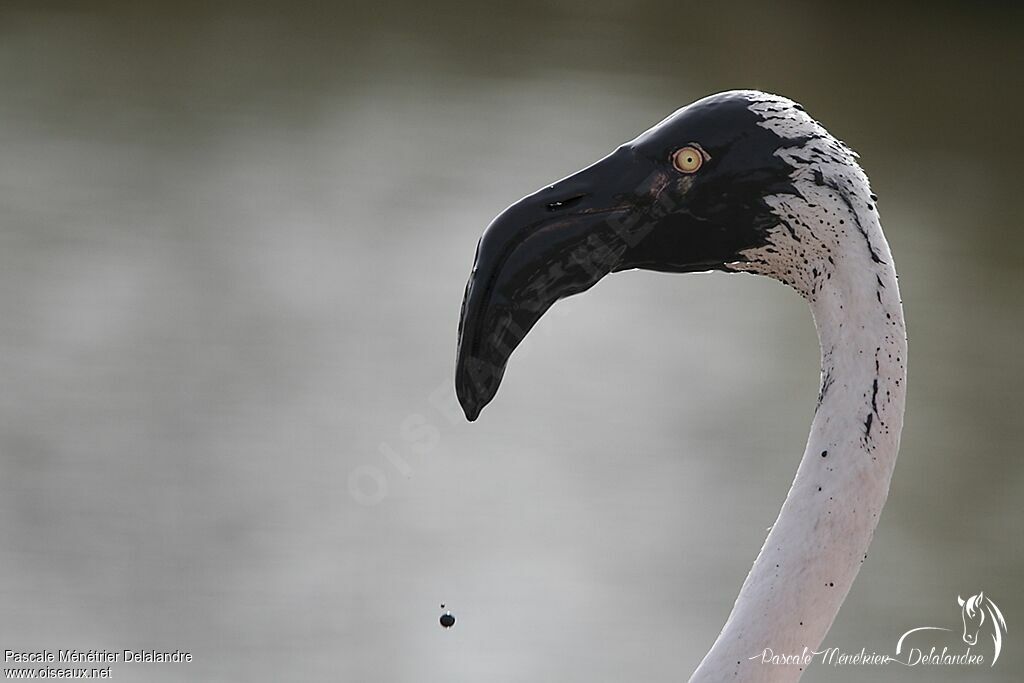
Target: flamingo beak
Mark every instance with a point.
(552, 244)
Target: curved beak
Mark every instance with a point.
(552, 244)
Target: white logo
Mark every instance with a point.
(976, 612)
(978, 615)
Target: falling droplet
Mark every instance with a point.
(447, 620)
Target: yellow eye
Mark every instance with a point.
(688, 159)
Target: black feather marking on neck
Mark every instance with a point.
(844, 195)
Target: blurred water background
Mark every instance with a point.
(234, 244)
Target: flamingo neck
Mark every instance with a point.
(819, 541)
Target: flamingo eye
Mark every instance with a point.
(688, 159)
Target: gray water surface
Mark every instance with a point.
(234, 245)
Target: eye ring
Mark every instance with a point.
(688, 159)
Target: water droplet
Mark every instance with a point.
(447, 620)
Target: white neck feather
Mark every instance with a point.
(830, 247)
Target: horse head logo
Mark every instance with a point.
(976, 612)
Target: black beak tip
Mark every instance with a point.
(476, 384)
(471, 401)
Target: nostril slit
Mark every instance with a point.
(563, 203)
